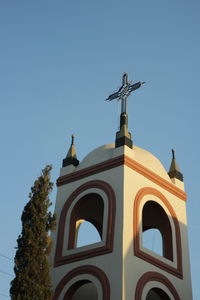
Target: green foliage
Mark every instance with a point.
(32, 278)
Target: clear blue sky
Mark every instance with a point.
(59, 60)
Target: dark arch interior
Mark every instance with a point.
(154, 217)
(89, 208)
(157, 294)
(82, 290)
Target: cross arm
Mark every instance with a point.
(113, 96)
(136, 86)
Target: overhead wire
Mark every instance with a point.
(6, 273)
(4, 295)
(2, 255)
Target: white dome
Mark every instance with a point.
(151, 162)
(98, 155)
(143, 157)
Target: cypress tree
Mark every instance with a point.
(32, 278)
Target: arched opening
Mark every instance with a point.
(100, 281)
(152, 240)
(87, 234)
(82, 290)
(87, 216)
(155, 217)
(157, 294)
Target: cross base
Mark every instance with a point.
(70, 161)
(123, 137)
(123, 141)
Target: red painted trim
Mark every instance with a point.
(108, 247)
(168, 186)
(118, 161)
(87, 269)
(145, 256)
(154, 276)
(97, 168)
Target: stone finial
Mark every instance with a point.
(71, 158)
(174, 171)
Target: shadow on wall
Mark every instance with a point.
(82, 290)
(155, 275)
(162, 274)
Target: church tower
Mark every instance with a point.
(124, 192)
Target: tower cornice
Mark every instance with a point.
(118, 161)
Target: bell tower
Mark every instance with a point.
(124, 192)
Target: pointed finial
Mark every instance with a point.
(72, 142)
(71, 158)
(174, 171)
(173, 154)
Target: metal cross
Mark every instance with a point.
(124, 91)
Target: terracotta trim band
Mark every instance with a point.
(170, 187)
(97, 168)
(118, 161)
(145, 256)
(108, 247)
(154, 276)
(87, 269)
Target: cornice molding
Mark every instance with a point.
(129, 162)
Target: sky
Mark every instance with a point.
(59, 60)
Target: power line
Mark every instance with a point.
(2, 255)
(7, 273)
(4, 295)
